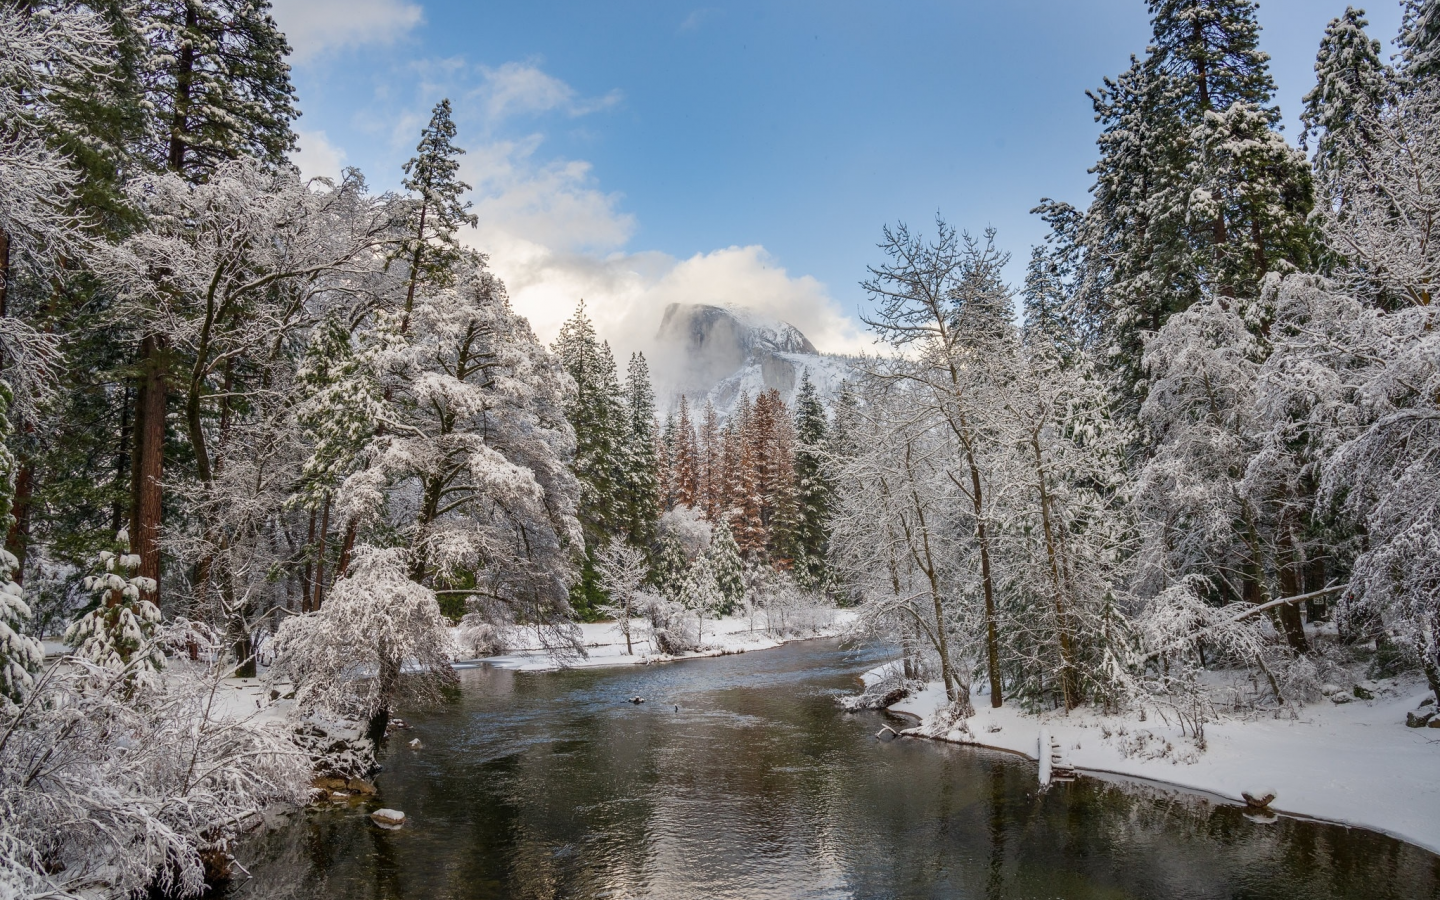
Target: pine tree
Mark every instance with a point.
(728, 568)
(1419, 41)
(700, 592)
(710, 454)
(1055, 301)
(216, 82)
(1352, 89)
(814, 487)
(685, 458)
(596, 413)
(430, 247)
(119, 632)
(214, 79)
(20, 655)
(641, 475)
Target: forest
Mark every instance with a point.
(272, 428)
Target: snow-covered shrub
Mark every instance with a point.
(672, 626)
(121, 630)
(375, 624)
(111, 784)
(790, 610)
(475, 637)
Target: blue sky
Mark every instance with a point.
(635, 153)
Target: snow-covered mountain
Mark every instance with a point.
(721, 352)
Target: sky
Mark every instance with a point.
(635, 153)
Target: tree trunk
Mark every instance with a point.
(992, 637)
(184, 79)
(1068, 689)
(1290, 586)
(320, 559)
(149, 458)
(18, 540)
(306, 580)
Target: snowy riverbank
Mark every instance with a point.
(1353, 764)
(605, 644)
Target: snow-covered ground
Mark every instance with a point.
(1354, 764)
(605, 644)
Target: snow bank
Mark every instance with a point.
(1353, 764)
(605, 645)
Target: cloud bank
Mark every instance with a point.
(315, 27)
(555, 235)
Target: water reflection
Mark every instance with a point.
(740, 778)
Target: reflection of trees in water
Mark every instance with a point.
(771, 792)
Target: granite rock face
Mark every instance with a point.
(720, 352)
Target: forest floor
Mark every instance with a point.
(1354, 763)
(605, 644)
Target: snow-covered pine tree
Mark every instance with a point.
(814, 487)
(1207, 58)
(429, 247)
(1248, 178)
(700, 592)
(1419, 42)
(641, 476)
(1352, 88)
(710, 453)
(217, 88)
(686, 464)
(596, 413)
(20, 654)
(216, 83)
(727, 567)
(1075, 302)
(119, 633)
(1144, 265)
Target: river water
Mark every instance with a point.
(739, 777)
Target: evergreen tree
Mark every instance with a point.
(430, 247)
(1419, 41)
(728, 568)
(1352, 89)
(1056, 298)
(216, 83)
(642, 502)
(596, 413)
(684, 458)
(700, 592)
(20, 655)
(814, 487)
(119, 631)
(1196, 192)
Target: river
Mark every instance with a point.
(739, 777)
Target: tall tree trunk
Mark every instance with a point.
(306, 581)
(122, 461)
(982, 537)
(1068, 689)
(184, 79)
(18, 539)
(319, 595)
(149, 458)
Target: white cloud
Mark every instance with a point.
(556, 236)
(316, 156)
(317, 26)
(519, 88)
